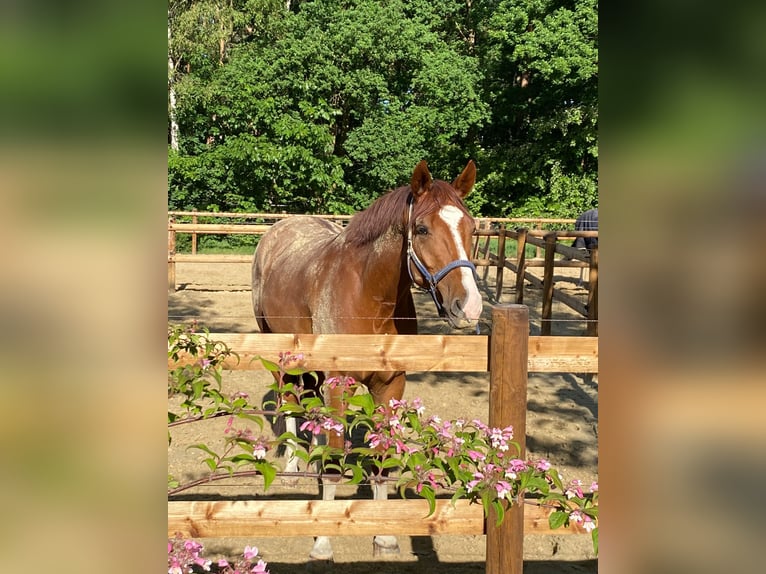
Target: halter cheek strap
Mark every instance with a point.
(431, 280)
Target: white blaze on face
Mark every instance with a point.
(472, 306)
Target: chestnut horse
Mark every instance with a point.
(314, 276)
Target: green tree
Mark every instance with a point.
(320, 106)
(541, 68)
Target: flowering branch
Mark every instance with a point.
(467, 458)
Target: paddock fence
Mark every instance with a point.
(489, 250)
(509, 353)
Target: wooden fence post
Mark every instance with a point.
(171, 253)
(592, 329)
(500, 263)
(194, 236)
(521, 262)
(485, 254)
(508, 406)
(550, 253)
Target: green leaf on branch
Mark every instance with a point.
(268, 471)
(363, 401)
(557, 519)
(269, 365)
(428, 493)
(594, 537)
(499, 508)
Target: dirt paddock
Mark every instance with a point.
(562, 426)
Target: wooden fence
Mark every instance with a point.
(482, 256)
(509, 353)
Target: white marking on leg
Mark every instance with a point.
(291, 446)
(472, 306)
(383, 544)
(322, 549)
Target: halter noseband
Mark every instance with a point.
(432, 280)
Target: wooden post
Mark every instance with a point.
(475, 254)
(538, 225)
(521, 262)
(592, 329)
(550, 253)
(500, 264)
(508, 406)
(171, 253)
(485, 254)
(194, 236)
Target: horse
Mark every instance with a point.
(310, 275)
(586, 221)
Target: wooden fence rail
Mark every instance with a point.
(508, 354)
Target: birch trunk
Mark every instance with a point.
(172, 97)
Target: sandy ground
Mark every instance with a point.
(562, 426)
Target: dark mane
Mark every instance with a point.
(390, 210)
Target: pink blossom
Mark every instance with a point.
(543, 465)
(574, 489)
(397, 404)
(343, 382)
(260, 568)
(594, 486)
(588, 524)
(503, 488)
(475, 455)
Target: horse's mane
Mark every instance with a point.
(390, 210)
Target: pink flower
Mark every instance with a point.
(503, 488)
(594, 486)
(260, 568)
(543, 465)
(588, 524)
(250, 552)
(574, 489)
(344, 382)
(475, 455)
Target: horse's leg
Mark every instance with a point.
(322, 549)
(383, 544)
(291, 446)
(384, 387)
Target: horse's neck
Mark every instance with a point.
(384, 272)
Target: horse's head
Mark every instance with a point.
(439, 232)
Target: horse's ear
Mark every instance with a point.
(463, 184)
(421, 179)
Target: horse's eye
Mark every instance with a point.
(421, 230)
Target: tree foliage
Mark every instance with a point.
(320, 106)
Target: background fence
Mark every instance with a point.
(489, 250)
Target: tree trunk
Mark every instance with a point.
(172, 98)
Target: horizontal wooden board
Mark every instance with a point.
(447, 353)
(256, 228)
(208, 258)
(256, 519)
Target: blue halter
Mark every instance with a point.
(432, 280)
